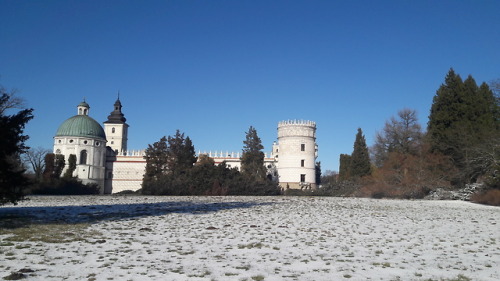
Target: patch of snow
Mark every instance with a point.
(240, 238)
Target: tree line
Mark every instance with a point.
(460, 146)
(172, 168)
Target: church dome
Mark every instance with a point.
(81, 126)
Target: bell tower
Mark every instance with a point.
(116, 129)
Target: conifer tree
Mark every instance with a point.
(60, 162)
(12, 145)
(156, 160)
(463, 116)
(71, 166)
(344, 167)
(252, 160)
(180, 153)
(317, 168)
(360, 158)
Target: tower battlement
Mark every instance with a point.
(297, 128)
(300, 123)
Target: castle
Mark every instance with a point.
(103, 158)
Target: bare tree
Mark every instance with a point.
(495, 85)
(402, 134)
(35, 158)
(9, 100)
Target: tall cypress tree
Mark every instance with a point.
(252, 160)
(344, 167)
(360, 158)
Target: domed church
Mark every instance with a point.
(85, 138)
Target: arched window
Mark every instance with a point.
(113, 130)
(83, 157)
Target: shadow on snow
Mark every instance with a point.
(14, 217)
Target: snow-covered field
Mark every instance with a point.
(248, 238)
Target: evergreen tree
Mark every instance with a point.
(156, 161)
(71, 166)
(318, 172)
(48, 172)
(59, 165)
(344, 167)
(180, 154)
(360, 158)
(463, 116)
(252, 160)
(12, 145)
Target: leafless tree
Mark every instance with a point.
(10, 101)
(401, 134)
(35, 158)
(495, 85)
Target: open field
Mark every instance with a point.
(248, 238)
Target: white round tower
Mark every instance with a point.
(296, 153)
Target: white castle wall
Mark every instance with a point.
(291, 162)
(296, 153)
(125, 171)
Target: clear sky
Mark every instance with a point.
(214, 68)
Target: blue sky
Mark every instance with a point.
(214, 68)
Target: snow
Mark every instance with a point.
(250, 238)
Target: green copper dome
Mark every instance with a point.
(81, 126)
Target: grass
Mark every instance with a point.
(47, 233)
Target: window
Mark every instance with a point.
(303, 147)
(302, 178)
(58, 151)
(113, 130)
(302, 163)
(112, 142)
(83, 157)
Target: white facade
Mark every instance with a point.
(296, 153)
(102, 155)
(124, 171)
(116, 135)
(89, 149)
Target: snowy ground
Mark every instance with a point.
(248, 238)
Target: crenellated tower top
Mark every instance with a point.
(297, 128)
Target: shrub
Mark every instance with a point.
(488, 197)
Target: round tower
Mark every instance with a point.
(296, 154)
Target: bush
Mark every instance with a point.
(488, 197)
(66, 186)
